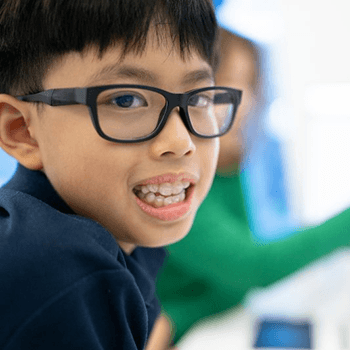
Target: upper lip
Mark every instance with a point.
(170, 178)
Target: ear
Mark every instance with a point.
(17, 132)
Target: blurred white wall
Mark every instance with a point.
(315, 57)
(310, 56)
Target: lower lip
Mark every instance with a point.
(171, 212)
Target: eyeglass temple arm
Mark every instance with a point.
(57, 97)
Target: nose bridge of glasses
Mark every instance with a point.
(176, 101)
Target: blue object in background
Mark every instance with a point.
(217, 3)
(283, 334)
(7, 167)
(264, 185)
(264, 176)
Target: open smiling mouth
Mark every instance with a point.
(165, 201)
(162, 195)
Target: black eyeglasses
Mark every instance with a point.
(136, 113)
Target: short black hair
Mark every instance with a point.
(33, 33)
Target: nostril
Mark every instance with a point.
(167, 153)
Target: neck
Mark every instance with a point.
(127, 248)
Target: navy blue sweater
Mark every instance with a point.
(64, 281)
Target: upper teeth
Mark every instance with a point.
(165, 189)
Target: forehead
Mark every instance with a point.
(158, 64)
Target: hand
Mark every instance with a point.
(161, 335)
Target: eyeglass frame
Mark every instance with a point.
(88, 96)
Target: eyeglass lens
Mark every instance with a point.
(128, 114)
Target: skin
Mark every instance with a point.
(96, 177)
(161, 335)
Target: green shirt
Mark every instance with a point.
(216, 264)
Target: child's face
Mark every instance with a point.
(97, 178)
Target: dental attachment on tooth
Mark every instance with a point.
(163, 194)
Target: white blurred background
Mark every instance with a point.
(317, 84)
(305, 65)
(308, 69)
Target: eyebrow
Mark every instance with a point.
(146, 76)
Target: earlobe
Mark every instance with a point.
(16, 137)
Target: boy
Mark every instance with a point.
(114, 161)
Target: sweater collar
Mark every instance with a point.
(36, 184)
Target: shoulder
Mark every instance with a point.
(50, 261)
(39, 231)
(37, 240)
(32, 231)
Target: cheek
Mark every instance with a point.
(72, 157)
(89, 180)
(62, 137)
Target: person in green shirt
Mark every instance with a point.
(218, 262)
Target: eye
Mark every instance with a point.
(128, 100)
(200, 101)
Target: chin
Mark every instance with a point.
(180, 234)
(169, 236)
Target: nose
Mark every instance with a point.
(174, 141)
